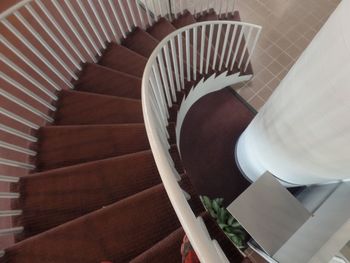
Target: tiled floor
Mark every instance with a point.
(288, 27)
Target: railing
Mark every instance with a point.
(181, 58)
(45, 44)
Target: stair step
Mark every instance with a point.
(161, 29)
(235, 16)
(167, 250)
(184, 19)
(141, 42)
(78, 108)
(51, 198)
(116, 56)
(62, 146)
(208, 16)
(102, 80)
(116, 233)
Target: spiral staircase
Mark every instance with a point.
(94, 172)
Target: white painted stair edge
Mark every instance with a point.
(203, 88)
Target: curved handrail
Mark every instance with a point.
(158, 94)
(55, 21)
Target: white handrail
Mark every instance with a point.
(156, 98)
(52, 70)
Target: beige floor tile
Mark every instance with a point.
(246, 93)
(275, 68)
(265, 93)
(293, 51)
(257, 102)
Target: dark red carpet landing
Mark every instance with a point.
(208, 137)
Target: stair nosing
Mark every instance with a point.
(113, 71)
(38, 236)
(37, 174)
(129, 50)
(83, 93)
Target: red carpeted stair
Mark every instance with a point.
(96, 194)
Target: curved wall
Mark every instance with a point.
(302, 134)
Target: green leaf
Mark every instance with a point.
(216, 206)
(231, 220)
(230, 226)
(207, 202)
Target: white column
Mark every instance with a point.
(302, 134)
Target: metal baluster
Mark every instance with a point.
(29, 63)
(91, 23)
(217, 46)
(109, 21)
(164, 78)
(16, 164)
(228, 28)
(160, 104)
(120, 25)
(131, 10)
(37, 36)
(17, 133)
(25, 105)
(143, 24)
(154, 10)
(74, 30)
(25, 75)
(245, 47)
(233, 37)
(188, 54)
(9, 179)
(58, 42)
(170, 72)
(252, 49)
(26, 91)
(15, 148)
(5, 213)
(60, 30)
(99, 21)
(237, 47)
(160, 89)
(181, 60)
(125, 15)
(19, 119)
(36, 52)
(209, 47)
(150, 22)
(202, 49)
(160, 8)
(194, 53)
(175, 61)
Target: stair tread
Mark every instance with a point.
(106, 234)
(161, 29)
(86, 108)
(141, 42)
(102, 80)
(51, 198)
(184, 19)
(167, 250)
(115, 56)
(61, 146)
(208, 16)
